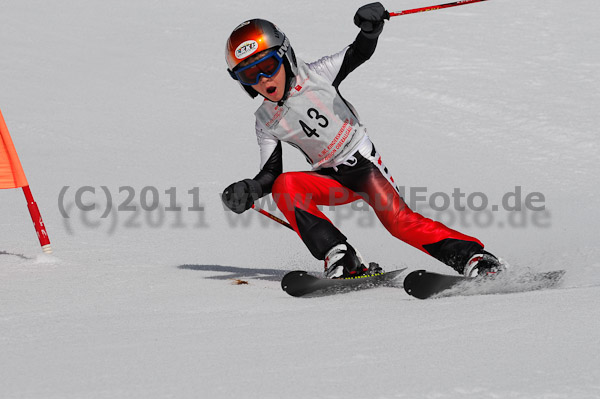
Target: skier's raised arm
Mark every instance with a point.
(370, 19)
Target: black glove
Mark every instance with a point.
(369, 18)
(240, 196)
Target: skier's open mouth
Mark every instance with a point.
(271, 90)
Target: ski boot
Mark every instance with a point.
(484, 265)
(342, 261)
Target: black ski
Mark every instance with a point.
(423, 284)
(301, 284)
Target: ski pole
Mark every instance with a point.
(273, 217)
(436, 7)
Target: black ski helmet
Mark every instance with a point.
(253, 36)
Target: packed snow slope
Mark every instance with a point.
(128, 104)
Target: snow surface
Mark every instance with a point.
(484, 97)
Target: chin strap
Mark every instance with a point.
(288, 83)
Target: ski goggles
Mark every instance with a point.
(266, 66)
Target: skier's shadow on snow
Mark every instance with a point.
(237, 272)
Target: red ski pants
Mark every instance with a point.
(297, 195)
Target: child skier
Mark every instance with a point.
(303, 107)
